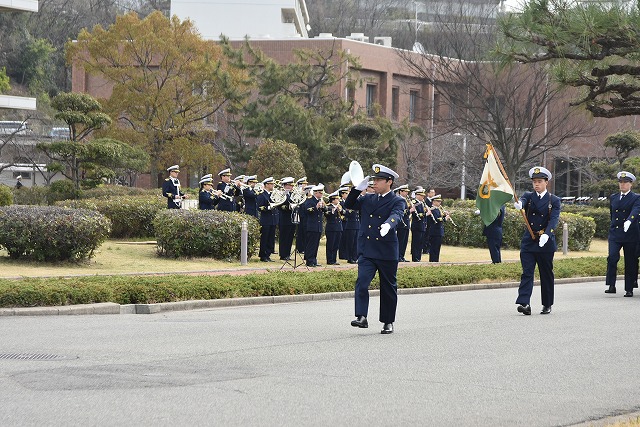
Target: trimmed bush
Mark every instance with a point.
(6, 196)
(601, 215)
(50, 233)
(62, 190)
(109, 191)
(130, 216)
(30, 195)
(469, 230)
(195, 233)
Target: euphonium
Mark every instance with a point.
(258, 188)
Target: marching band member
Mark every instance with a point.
(268, 221)
(428, 201)
(350, 226)
(287, 229)
(380, 214)
(543, 214)
(171, 189)
(418, 226)
(206, 196)
(436, 228)
(249, 196)
(333, 230)
(403, 227)
(238, 181)
(227, 192)
(301, 236)
(313, 208)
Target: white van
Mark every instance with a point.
(14, 127)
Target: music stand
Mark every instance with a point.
(296, 256)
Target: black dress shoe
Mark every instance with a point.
(360, 322)
(524, 309)
(387, 328)
(545, 309)
(264, 260)
(611, 290)
(628, 294)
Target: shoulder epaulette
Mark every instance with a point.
(167, 179)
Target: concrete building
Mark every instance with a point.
(257, 19)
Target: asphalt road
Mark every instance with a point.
(455, 359)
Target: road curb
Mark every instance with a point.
(113, 308)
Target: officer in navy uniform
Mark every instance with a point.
(350, 226)
(171, 189)
(333, 228)
(206, 196)
(543, 213)
(250, 196)
(624, 234)
(418, 226)
(238, 181)
(493, 232)
(313, 209)
(403, 227)
(380, 214)
(227, 192)
(287, 229)
(430, 194)
(268, 221)
(302, 231)
(435, 227)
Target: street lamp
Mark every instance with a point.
(463, 188)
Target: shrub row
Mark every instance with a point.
(131, 216)
(468, 230)
(601, 216)
(188, 233)
(156, 289)
(49, 233)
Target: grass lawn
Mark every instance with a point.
(124, 257)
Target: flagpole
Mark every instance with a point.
(504, 173)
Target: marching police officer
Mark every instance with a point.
(227, 192)
(624, 234)
(171, 189)
(287, 229)
(543, 213)
(206, 196)
(333, 229)
(313, 209)
(493, 232)
(268, 221)
(380, 213)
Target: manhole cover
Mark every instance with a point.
(30, 356)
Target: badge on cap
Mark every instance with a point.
(376, 169)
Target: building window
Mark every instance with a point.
(395, 103)
(371, 99)
(24, 175)
(413, 105)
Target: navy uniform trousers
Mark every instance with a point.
(543, 215)
(622, 210)
(493, 232)
(377, 253)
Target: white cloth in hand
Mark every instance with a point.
(543, 240)
(517, 205)
(363, 184)
(384, 229)
(626, 225)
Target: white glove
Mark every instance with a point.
(543, 240)
(626, 225)
(384, 229)
(477, 212)
(363, 184)
(517, 205)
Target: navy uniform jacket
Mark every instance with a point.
(406, 217)
(351, 218)
(621, 210)
(494, 230)
(285, 212)
(543, 216)
(334, 221)
(436, 222)
(419, 218)
(170, 188)
(312, 215)
(373, 214)
(267, 216)
(250, 206)
(206, 200)
(229, 192)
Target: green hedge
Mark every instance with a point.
(131, 216)
(601, 216)
(468, 232)
(156, 289)
(49, 233)
(196, 233)
(6, 196)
